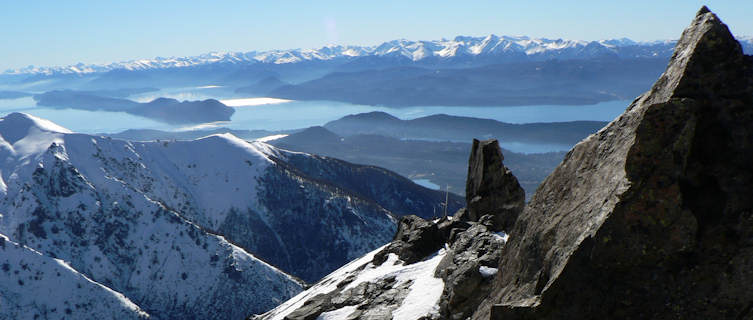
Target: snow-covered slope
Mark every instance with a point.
(461, 47)
(38, 287)
(427, 272)
(170, 224)
(419, 289)
(62, 198)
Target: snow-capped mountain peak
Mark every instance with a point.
(17, 125)
(23, 135)
(460, 46)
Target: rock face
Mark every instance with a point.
(415, 239)
(491, 188)
(651, 217)
(467, 270)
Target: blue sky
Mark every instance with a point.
(66, 32)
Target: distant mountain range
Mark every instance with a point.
(465, 71)
(461, 48)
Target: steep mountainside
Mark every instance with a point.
(170, 224)
(652, 217)
(66, 196)
(395, 193)
(28, 275)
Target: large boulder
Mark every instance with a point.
(651, 217)
(415, 239)
(491, 189)
(468, 269)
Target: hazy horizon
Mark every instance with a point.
(59, 34)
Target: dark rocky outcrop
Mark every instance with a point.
(491, 188)
(467, 270)
(375, 300)
(468, 266)
(415, 239)
(651, 217)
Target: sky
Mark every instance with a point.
(48, 33)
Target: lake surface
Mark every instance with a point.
(281, 115)
(301, 114)
(426, 183)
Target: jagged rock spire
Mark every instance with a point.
(706, 61)
(651, 217)
(491, 189)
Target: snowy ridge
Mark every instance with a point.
(424, 289)
(326, 285)
(183, 228)
(79, 200)
(461, 46)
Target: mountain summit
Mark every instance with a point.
(651, 217)
(17, 125)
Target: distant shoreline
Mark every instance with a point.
(251, 102)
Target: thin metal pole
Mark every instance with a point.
(446, 200)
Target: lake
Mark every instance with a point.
(426, 183)
(272, 114)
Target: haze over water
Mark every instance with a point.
(302, 114)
